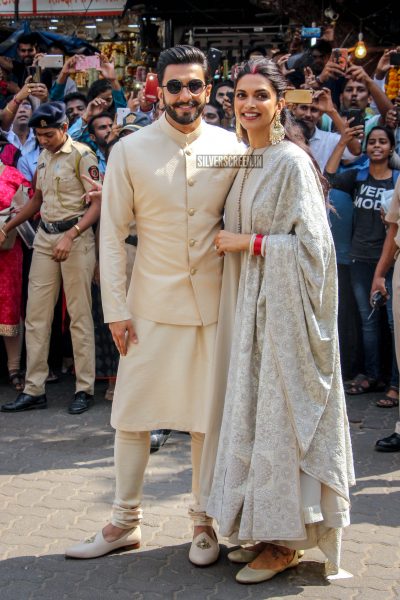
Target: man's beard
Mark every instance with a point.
(185, 119)
(102, 143)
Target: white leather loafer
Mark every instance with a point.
(249, 575)
(98, 546)
(204, 550)
(242, 555)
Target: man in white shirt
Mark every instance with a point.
(27, 164)
(322, 143)
(20, 134)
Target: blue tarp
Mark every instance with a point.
(72, 44)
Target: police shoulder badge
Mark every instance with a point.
(130, 119)
(94, 172)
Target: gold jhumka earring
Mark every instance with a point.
(277, 131)
(238, 130)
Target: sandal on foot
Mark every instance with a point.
(355, 387)
(16, 379)
(52, 377)
(387, 402)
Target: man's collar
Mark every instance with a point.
(316, 135)
(183, 139)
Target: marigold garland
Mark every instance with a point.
(393, 83)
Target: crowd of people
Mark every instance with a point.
(153, 309)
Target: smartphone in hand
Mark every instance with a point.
(36, 73)
(150, 88)
(122, 112)
(87, 62)
(298, 96)
(51, 61)
(340, 56)
(356, 114)
(395, 59)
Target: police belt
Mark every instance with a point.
(58, 226)
(132, 240)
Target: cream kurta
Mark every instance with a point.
(284, 459)
(153, 177)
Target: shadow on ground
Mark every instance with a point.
(162, 573)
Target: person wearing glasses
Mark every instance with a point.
(164, 327)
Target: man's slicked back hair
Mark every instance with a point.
(181, 55)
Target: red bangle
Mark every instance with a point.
(257, 245)
(16, 101)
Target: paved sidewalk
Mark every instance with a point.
(56, 486)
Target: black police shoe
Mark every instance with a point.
(25, 402)
(389, 444)
(158, 438)
(80, 403)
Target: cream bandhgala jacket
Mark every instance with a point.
(157, 177)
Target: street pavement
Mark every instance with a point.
(56, 487)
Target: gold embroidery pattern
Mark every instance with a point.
(9, 330)
(90, 540)
(203, 544)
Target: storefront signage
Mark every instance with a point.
(61, 7)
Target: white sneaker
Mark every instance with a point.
(204, 550)
(98, 546)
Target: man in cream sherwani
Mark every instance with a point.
(165, 326)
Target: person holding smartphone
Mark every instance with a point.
(367, 187)
(104, 95)
(63, 83)
(15, 119)
(357, 90)
(27, 48)
(222, 94)
(322, 143)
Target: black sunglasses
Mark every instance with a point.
(195, 86)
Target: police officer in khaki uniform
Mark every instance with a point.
(64, 250)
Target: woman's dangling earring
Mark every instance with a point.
(238, 131)
(277, 131)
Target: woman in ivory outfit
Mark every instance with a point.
(284, 461)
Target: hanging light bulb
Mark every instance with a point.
(360, 50)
